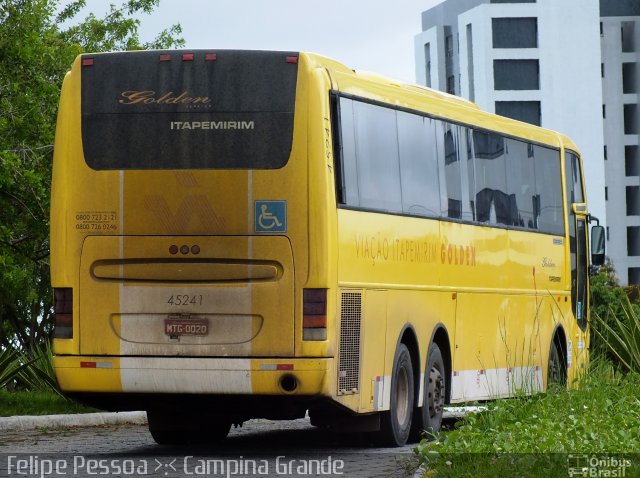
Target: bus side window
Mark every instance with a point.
(492, 202)
(451, 176)
(349, 168)
(521, 184)
(418, 165)
(377, 157)
(550, 216)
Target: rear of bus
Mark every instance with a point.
(181, 231)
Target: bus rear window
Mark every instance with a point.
(199, 109)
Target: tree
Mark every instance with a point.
(39, 40)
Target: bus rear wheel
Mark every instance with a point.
(556, 369)
(168, 428)
(395, 424)
(435, 387)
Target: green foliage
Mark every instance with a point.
(31, 370)
(620, 333)
(36, 51)
(9, 366)
(615, 320)
(37, 403)
(602, 416)
(38, 374)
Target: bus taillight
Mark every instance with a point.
(63, 309)
(314, 321)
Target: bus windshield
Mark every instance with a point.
(174, 110)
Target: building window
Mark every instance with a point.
(634, 275)
(516, 74)
(601, 29)
(608, 233)
(451, 85)
(633, 201)
(470, 76)
(633, 241)
(631, 161)
(604, 111)
(628, 37)
(602, 70)
(605, 152)
(515, 32)
(527, 111)
(427, 63)
(629, 78)
(606, 193)
(448, 45)
(631, 119)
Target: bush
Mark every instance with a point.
(614, 315)
(31, 370)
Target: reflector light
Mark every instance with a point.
(314, 314)
(187, 57)
(184, 249)
(315, 308)
(195, 249)
(314, 321)
(284, 366)
(63, 300)
(87, 364)
(210, 56)
(63, 310)
(315, 295)
(165, 57)
(292, 59)
(63, 320)
(87, 62)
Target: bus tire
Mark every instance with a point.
(169, 429)
(435, 387)
(556, 369)
(395, 424)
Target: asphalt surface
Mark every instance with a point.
(261, 448)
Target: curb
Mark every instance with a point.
(21, 423)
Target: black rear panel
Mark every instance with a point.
(223, 109)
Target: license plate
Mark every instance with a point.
(174, 326)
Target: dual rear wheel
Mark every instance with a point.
(404, 419)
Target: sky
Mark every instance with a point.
(372, 35)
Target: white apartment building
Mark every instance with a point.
(537, 61)
(620, 71)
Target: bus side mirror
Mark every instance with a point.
(597, 245)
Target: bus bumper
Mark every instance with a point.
(219, 376)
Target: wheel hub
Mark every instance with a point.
(435, 393)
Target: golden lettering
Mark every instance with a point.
(149, 97)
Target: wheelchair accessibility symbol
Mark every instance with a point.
(270, 216)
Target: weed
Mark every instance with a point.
(602, 415)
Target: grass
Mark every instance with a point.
(544, 431)
(38, 402)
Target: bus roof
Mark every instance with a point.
(381, 88)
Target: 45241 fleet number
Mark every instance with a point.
(184, 300)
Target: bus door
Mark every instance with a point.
(577, 240)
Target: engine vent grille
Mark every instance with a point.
(349, 366)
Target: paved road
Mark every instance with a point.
(260, 448)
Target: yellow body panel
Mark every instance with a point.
(498, 293)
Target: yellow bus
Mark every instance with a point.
(245, 234)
